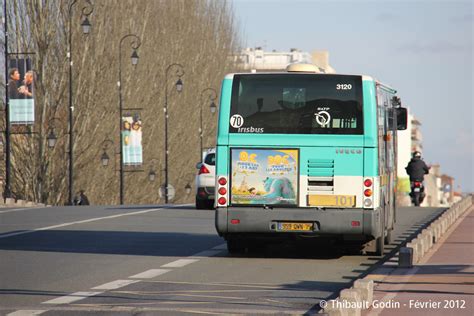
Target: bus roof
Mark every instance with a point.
(231, 75)
(385, 87)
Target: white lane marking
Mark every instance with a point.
(220, 247)
(149, 274)
(22, 209)
(202, 312)
(71, 297)
(222, 284)
(79, 222)
(115, 284)
(179, 263)
(27, 312)
(207, 253)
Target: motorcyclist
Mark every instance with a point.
(417, 168)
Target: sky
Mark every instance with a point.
(424, 49)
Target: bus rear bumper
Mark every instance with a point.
(253, 220)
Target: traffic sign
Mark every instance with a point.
(171, 191)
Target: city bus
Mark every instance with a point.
(302, 153)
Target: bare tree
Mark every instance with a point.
(198, 34)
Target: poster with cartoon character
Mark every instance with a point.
(264, 176)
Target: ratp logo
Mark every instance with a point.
(323, 118)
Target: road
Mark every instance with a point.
(156, 260)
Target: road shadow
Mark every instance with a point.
(151, 244)
(112, 242)
(320, 249)
(164, 244)
(439, 270)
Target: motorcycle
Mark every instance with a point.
(417, 193)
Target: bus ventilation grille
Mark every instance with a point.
(320, 176)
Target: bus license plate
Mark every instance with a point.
(332, 200)
(295, 226)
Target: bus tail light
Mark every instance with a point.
(368, 193)
(367, 203)
(222, 191)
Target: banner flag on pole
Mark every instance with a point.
(132, 140)
(21, 92)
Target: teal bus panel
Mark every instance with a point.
(222, 152)
(224, 112)
(370, 113)
(331, 161)
(291, 140)
(371, 165)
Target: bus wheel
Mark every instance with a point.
(380, 244)
(235, 246)
(389, 237)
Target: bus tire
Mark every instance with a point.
(379, 246)
(380, 241)
(389, 237)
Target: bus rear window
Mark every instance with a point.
(296, 104)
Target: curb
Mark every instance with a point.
(10, 202)
(359, 297)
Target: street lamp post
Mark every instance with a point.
(7, 192)
(179, 88)
(135, 44)
(212, 95)
(86, 11)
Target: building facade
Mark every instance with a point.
(256, 59)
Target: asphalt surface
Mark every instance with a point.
(151, 260)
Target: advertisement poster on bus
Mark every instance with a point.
(132, 140)
(264, 176)
(21, 92)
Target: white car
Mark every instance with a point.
(205, 180)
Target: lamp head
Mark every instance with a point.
(86, 26)
(187, 189)
(179, 85)
(134, 57)
(105, 159)
(151, 175)
(51, 139)
(213, 107)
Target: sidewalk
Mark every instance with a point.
(442, 283)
